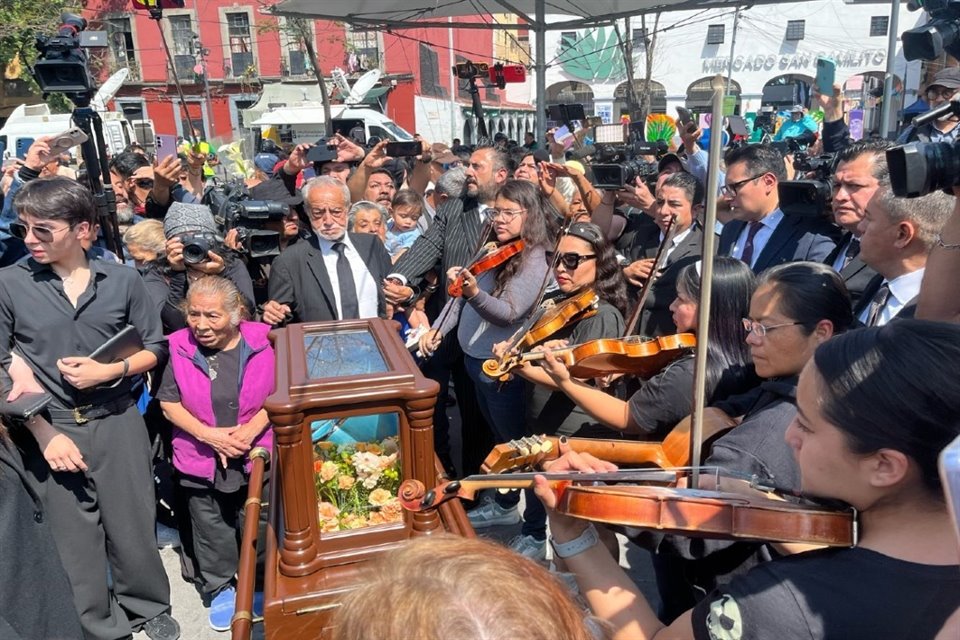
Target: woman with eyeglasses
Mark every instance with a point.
(493, 306)
(667, 398)
(796, 307)
(875, 411)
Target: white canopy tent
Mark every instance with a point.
(568, 15)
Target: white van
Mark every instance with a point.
(305, 123)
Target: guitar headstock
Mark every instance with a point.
(518, 454)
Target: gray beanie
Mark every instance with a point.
(189, 219)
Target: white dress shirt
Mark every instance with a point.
(903, 289)
(841, 258)
(677, 239)
(366, 286)
(769, 224)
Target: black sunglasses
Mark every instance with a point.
(145, 183)
(573, 260)
(19, 230)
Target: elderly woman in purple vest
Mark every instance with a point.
(220, 373)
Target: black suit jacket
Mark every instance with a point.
(909, 310)
(451, 240)
(795, 238)
(856, 275)
(656, 318)
(298, 277)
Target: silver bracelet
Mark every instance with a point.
(576, 546)
(942, 245)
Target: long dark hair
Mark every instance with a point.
(536, 228)
(609, 284)
(729, 365)
(886, 388)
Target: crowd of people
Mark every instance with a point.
(819, 379)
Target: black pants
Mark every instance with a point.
(106, 515)
(216, 521)
(476, 436)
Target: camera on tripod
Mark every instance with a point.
(62, 64)
(234, 209)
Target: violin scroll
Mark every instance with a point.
(414, 496)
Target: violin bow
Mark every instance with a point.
(478, 253)
(706, 284)
(658, 263)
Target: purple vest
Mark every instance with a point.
(190, 456)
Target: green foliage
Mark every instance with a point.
(593, 56)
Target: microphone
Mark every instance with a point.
(934, 114)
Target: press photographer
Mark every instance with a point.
(195, 249)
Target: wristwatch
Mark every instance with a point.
(576, 546)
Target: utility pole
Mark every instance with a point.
(202, 52)
(733, 46)
(626, 44)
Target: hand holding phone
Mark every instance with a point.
(404, 149)
(826, 75)
(67, 140)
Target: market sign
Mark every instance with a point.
(795, 61)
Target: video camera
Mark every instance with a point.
(941, 34)
(617, 154)
(919, 168)
(811, 196)
(233, 208)
(62, 61)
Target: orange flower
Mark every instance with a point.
(328, 470)
(345, 482)
(316, 465)
(327, 511)
(379, 497)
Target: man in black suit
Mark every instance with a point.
(333, 275)
(679, 194)
(452, 240)
(896, 236)
(761, 234)
(861, 167)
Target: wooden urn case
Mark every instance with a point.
(352, 418)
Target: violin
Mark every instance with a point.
(711, 514)
(555, 317)
(690, 512)
(658, 264)
(594, 359)
(673, 451)
(491, 260)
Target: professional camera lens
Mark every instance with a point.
(919, 168)
(195, 251)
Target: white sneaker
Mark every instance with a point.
(529, 547)
(490, 514)
(167, 537)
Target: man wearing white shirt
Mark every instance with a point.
(761, 234)
(334, 275)
(896, 236)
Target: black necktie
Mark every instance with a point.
(349, 306)
(877, 304)
(747, 255)
(853, 249)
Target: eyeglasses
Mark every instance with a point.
(572, 261)
(20, 230)
(933, 94)
(506, 214)
(730, 190)
(451, 165)
(145, 183)
(316, 214)
(752, 326)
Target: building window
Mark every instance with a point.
(795, 29)
(241, 105)
(184, 58)
(639, 39)
(363, 50)
(430, 72)
(878, 26)
(241, 46)
(298, 62)
(568, 40)
(715, 34)
(120, 36)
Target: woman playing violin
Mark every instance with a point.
(585, 261)
(666, 398)
(796, 307)
(493, 306)
(875, 408)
